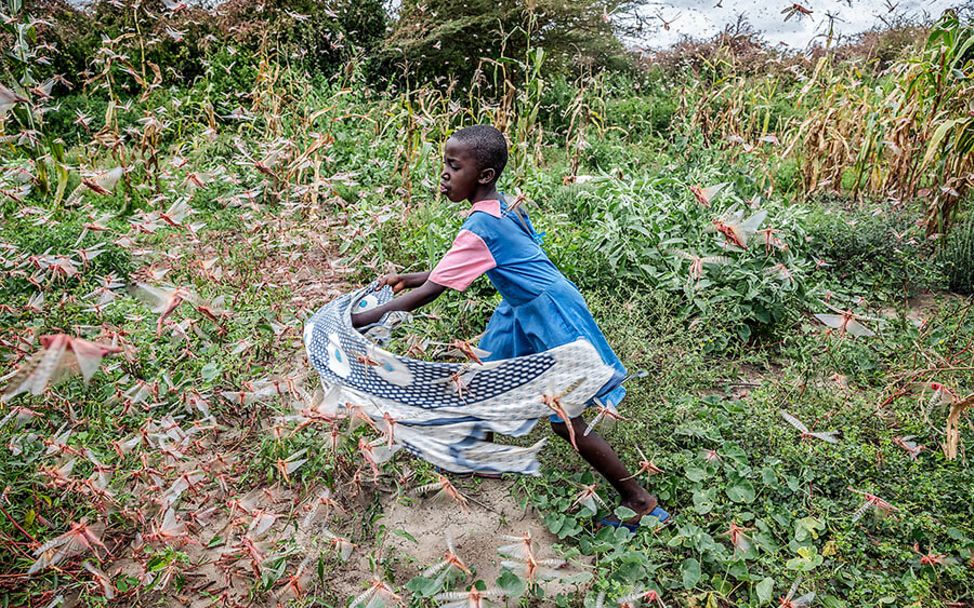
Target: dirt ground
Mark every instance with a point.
(415, 532)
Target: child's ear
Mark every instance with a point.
(487, 175)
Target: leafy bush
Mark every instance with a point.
(446, 38)
(64, 120)
(642, 232)
(175, 42)
(883, 250)
(957, 257)
(643, 115)
(228, 70)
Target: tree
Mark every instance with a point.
(433, 39)
(320, 34)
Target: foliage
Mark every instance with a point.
(317, 36)
(876, 250)
(638, 226)
(957, 257)
(448, 38)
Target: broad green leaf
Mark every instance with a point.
(210, 371)
(721, 585)
(807, 528)
(769, 477)
(765, 590)
(690, 572)
(624, 513)
(741, 491)
(703, 501)
(422, 586)
(808, 559)
(511, 583)
(695, 472)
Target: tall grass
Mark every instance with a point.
(904, 133)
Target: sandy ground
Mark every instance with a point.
(415, 533)
(407, 536)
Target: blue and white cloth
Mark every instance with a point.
(436, 421)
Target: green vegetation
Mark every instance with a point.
(262, 184)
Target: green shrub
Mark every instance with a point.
(556, 97)
(957, 257)
(642, 116)
(787, 176)
(63, 121)
(614, 233)
(228, 71)
(882, 250)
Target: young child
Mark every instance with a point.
(541, 309)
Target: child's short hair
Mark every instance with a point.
(487, 144)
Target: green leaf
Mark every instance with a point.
(511, 583)
(741, 491)
(690, 572)
(695, 472)
(762, 315)
(734, 452)
(830, 601)
(765, 590)
(406, 535)
(721, 585)
(554, 522)
(630, 572)
(210, 371)
(703, 501)
(934, 146)
(122, 583)
(807, 528)
(769, 477)
(624, 513)
(422, 586)
(808, 559)
(579, 578)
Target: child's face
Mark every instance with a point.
(461, 175)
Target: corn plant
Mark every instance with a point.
(940, 82)
(586, 119)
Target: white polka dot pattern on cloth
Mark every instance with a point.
(437, 420)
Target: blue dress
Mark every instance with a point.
(541, 309)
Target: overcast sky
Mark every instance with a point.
(704, 18)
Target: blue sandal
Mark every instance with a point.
(658, 512)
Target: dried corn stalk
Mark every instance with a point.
(957, 409)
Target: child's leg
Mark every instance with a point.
(598, 453)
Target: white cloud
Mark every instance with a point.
(703, 19)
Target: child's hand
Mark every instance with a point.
(396, 281)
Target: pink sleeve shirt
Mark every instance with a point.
(466, 260)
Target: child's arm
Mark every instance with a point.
(424, 294)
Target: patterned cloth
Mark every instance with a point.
(444, 410)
